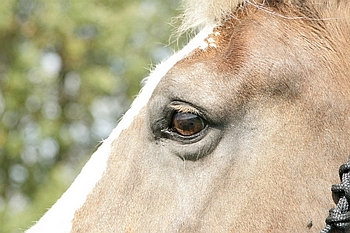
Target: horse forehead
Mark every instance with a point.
(235, 54)
(252, 36)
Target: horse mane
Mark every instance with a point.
(199, 13)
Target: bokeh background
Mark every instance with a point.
(69, 69)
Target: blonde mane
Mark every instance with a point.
(199, 13)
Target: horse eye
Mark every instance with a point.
(187, 124)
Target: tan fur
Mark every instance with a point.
(276, 93)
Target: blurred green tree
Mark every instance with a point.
(68, 71)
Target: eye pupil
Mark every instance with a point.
(187, 124)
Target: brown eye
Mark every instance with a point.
(187, 124)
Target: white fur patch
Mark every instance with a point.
(59, 217)
(199, 13)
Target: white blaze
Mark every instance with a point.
(59, 217)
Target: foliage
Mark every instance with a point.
(68, 71)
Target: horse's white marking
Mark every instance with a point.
(207, 41)
(211, 42)
(59, 217)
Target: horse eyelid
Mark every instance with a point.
(185, 109)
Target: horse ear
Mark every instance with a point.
(339, 217)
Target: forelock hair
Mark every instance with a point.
(199, 13)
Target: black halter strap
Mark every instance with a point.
(338, 220)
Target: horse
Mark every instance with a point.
(242, 130)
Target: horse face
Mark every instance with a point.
(243, 134)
